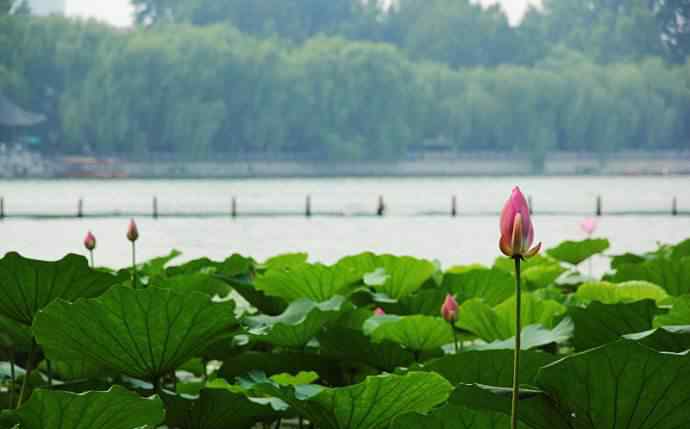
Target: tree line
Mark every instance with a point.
(202, 79)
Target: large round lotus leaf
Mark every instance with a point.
(623, 385)
(418, 333)
(373, 403)
(498, 323)
(114, 409)
(29, 285)
(673, 275)
(575, 252)
(143, 333)
(300, 322)
(613, 293)
(599, 323)
(316, 282)
(214, 409)
(674, 339)
(492, 285)
(385, 355)
(396, 276)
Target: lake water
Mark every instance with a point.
(417, 222)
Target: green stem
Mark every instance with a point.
(301, 422)
(278, 423)
(134, 265)
(516, 360)
(27, 374)
(91, 257)
(156, 385)
(455, 338)
(49, 370)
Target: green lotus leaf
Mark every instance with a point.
(492, 367)
(613, 293)
(575, 252)
(301, 321)
(498, 323)
(418, 333)
(679, 314)
(541, 276)
(200, 265)
(142, 333)
(508, 264)
(199, 282)
(285, 261)
(599, 323)
(674, 339)
(156, 266)
(290, 362)
(29, 285)
(533, 336)
(384, 355)
(373, 403)
(618, 261)
(316, 282)
(536, 410)
(673, 275)
(492, 285)
(451, 416)
(403, 274)
(215, 408)
(424, 301)
(115, 409)
(14, 335)
(623, 385)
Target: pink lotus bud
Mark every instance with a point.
(379, 312)
(90, 241)
(589, 225)
(517, 232)
(449, 309)
(132, 231)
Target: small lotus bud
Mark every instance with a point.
(588, 225)
(517, 231)
(132, 231)
(379, 312)
(90, 241)
(449, 309)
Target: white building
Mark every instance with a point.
(48, 7)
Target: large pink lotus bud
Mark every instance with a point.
(90, 241)
(132, 231)
(517, 232)
(449, 309)
(379, 312)
(589, 225)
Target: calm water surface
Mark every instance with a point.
(560, 204)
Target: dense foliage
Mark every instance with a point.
(202, 79)
(229, 344)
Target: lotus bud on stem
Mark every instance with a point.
(449, 312)
(90, 245)
(133, 236)
(517, 236)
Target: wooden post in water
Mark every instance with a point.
(530, 205)
(233, 207)
(80, 207)
(454, 206)
(598, 209)
(674, 207)
(307, 206)
(155, 207)
(381, 209)
(2, 207)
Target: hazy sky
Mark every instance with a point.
(118, 12)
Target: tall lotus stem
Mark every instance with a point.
(517, 235)
(133, 236)
(518, 345)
